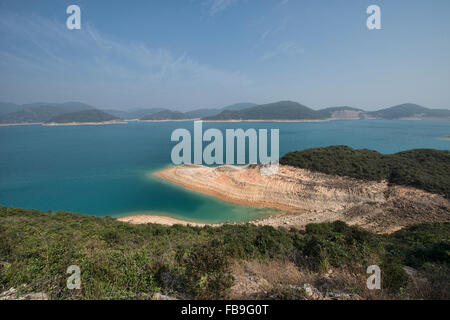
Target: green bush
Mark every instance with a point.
(393, 276)
(207, 273)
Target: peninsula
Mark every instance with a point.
(366, 197)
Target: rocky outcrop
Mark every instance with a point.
(306, 197)
(289, 189)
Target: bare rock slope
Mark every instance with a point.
(304, 197)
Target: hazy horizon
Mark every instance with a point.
(213, 53)
(213, 107)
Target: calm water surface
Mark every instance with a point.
(106, 170)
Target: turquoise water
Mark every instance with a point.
(105, 170)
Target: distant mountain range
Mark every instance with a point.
(39, 112)
(167, 114)
(289, 110)
(283, 110)
(147, 114)
(409, 110)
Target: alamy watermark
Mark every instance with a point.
(374, 280)
(373, 22)
(74, 20)
(74, 280)
(235, 146)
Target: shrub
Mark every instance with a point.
(207, 273)
(393, 277)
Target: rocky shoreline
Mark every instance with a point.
(305, 197)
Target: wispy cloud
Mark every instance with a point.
(39, 47)
(215, 6)
(289, 48)
(275, 29)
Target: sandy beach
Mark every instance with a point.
(168, 221)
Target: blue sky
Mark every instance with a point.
(208, 53)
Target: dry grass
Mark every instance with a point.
(279, 279)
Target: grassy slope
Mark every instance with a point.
(119, 260)
(425, 169)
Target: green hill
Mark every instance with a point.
(283, 110)
(6, 107)
(166, 115)
(409, 110)
(32, 115)
(426, 169)
(83, 117)
(239, 106)
(38, 113)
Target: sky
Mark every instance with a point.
(188, 54)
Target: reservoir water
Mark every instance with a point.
(106, 170)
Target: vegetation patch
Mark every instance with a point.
(425, 169)
(124, 261)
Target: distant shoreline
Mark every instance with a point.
(55, 124)
(20, 124)
(190, 120)
(167, 120)
(85, 123)
(300, 120)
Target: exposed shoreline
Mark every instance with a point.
(276, 120)
(181, 175)
(223, 121)
(84, 123)
(305, 197)
(164, 220)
